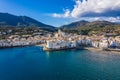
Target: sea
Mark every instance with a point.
(32, 63)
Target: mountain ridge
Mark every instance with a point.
(7, 19)
(91, 28)
(83, 23)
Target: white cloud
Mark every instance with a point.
(65, 15)
(94, 6)
(90, 6)
(110, 19)
(114, 19)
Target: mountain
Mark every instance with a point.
(91, 28)
(7, 19)
(100, 23)
(79, 24)
(74, 25)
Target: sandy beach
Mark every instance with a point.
(101, 51)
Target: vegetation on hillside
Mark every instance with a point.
(9, 20)
(92, 28)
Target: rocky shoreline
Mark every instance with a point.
(79, 48)
(86, 48)
(5, 47)
(102, 51)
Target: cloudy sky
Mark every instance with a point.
(59, 12)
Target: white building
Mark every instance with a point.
(49, 44)
(104, 43)
(114, 44)
(95, 44)
(74, 44)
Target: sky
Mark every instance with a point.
(61, 12)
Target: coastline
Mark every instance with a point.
(85, 48)
(14, 46)
(40, 45)
(79, 48)
(101, 51)
(5, 47)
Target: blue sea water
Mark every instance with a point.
(32, 63)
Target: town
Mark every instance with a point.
(61, 40)
(17, 37)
